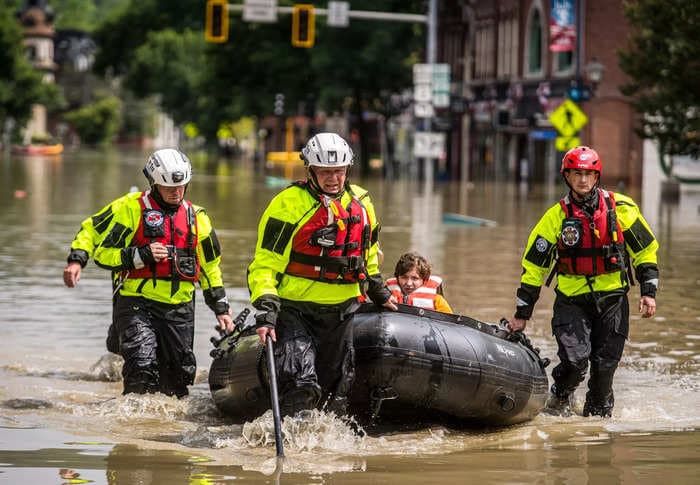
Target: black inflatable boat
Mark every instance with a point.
(412, 366)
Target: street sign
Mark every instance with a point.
(423, 110)
(338, 14)
(422, 73)
(566, 143)
(263, 11)
(441, 85)
(422, 93)
(568, 118)
(428, 145)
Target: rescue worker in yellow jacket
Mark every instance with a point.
(315, 259)
(414, 284)
(162, 245)
(593, 237)
(92, 230)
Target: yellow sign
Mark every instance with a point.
(568, 118)
(566, 143)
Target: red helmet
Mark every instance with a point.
(581, 158)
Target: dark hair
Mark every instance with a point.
(408, 261)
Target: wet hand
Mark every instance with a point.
(226, 323)
(263, 332)
(391, 303)
(647, 306)
(71, 274)
(159, 251)
(517, 324)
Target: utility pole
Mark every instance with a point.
(431, 55)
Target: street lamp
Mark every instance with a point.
(594, 71)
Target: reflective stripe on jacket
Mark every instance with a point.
(423, 296)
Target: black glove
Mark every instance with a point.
(215, 298)
(269, 306)
(376, 289)
(146, 255)
(265, 319)
(78, 256)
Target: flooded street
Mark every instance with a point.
(60, 395)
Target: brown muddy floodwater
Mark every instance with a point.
(63, 420)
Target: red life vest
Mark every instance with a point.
(178, 231)
(590, 247)
(423, 296)
(332, 245)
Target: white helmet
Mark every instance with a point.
(168, 167)
(327, 150)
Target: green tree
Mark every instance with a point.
(154, 44)
(97, 123)
(663, 64)
(169, 64)
(21, 85)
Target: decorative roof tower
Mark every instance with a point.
(36, 17)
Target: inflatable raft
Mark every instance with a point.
(412, 366)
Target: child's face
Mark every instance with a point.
(410, 280)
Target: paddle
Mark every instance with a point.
(273, 396)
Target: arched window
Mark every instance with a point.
(534, 45)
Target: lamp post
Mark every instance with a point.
(594, 72)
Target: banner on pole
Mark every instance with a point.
(562, 26)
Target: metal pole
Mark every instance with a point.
(431, 55)
(274, 398)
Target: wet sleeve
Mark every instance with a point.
(209, 255)
(114, 252)
(641, 244)
(275, 232)
(537, 260)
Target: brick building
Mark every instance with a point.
(506, 81)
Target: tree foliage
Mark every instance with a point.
(20, 84)
(154, 44)
(97, 123)
(662, 60)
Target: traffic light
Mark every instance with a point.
(279, 104)
(303, 25)
(216, 25)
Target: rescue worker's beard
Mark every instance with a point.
(166, 206)
(316, 187)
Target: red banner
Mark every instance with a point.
(562, 26)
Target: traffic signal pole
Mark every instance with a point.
(431, 45)
(355, 14)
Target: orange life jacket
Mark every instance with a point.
(332, 246)
(590, 247)
(423, 296)
(177, 231)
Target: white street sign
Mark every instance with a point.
(422, 73)
(263, 11)
(338, 14)
(422, 93)
(423, 110)
(428, 145)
